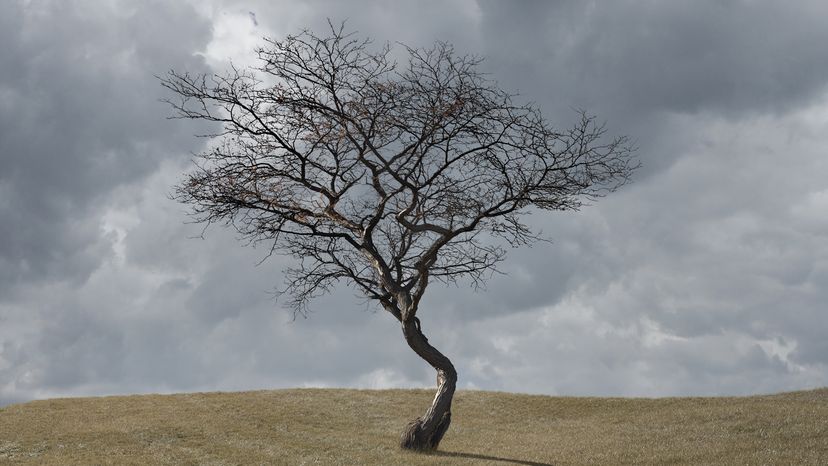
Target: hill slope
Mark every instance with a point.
(320, 426)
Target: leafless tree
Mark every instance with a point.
(387, 176)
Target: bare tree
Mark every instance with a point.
(383, 175)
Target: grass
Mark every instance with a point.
(356, 427)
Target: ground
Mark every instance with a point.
(331, 426)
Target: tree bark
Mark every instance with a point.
(425, 432)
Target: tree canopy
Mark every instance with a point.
(381, 174)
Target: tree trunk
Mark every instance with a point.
(425, 432)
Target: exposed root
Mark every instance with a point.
(415, 438)
(411, 438)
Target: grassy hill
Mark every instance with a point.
(320, 426)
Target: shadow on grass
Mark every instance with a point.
(476, 456)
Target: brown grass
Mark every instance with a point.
(355, 427)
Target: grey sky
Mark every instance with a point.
(707, 275)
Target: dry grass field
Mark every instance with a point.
(356, 427)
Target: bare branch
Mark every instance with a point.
(380, 175)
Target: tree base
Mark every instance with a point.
(414, 437)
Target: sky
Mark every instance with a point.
(707, 275)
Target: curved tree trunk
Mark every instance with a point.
(425, 432)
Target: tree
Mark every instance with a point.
(387, 177)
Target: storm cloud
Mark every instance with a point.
(706, 275)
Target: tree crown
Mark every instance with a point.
(381, 174)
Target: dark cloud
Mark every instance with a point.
(643, 57)
(635, 63)
(80, 116)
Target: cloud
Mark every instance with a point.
(81, 116)
(644, 57)
(707, 275)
